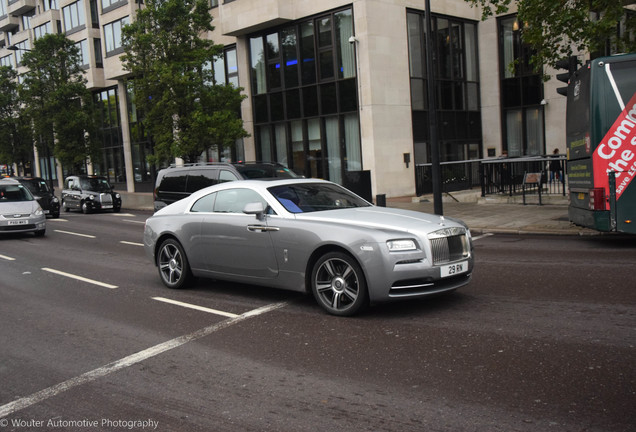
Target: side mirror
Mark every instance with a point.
(255, 208)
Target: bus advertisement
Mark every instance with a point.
(601, 144)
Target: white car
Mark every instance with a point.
(19, 211)
(311, 236)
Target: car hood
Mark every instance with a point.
(21, 207)
(384, 218)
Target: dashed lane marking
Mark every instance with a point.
(7, 258)
(75, 234)
(131, 243)
(79, 278)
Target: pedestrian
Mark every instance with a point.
(555, 167)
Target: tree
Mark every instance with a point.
(559, 28)
(58, 103)
(16, 142)
(182, 108)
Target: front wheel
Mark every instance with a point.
(173, 265)
(338, 284)
(85, 208)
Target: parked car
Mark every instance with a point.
(308, 235)
(43, 194)
(19, 211)
(89, 193)
(178, 182)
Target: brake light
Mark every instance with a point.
(597, 199)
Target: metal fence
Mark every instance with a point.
(495, 176)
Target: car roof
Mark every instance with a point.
(9, 180)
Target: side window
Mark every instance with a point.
(234, 200)
(226, 176)
(204, 204)
(173, 182)
(198, 179)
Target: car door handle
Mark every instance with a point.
(261, 228)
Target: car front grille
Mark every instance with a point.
(448, 245)
(106, 198)
(17, 227)
(15, 215)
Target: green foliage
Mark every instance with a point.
(183, 110)
(16, 144)
(58, 103)
(558, 28)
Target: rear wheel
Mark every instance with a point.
(338, 284)
(173, 265)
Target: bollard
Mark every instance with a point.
(380, 200)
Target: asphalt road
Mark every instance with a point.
(542, 340)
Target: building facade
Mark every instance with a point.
(334, 87)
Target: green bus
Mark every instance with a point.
(601, 144)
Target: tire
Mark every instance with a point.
(174, 269)
(338, 284)
(85, 208)
(65, 207)
(40, 233)
(116, 209)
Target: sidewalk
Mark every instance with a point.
(496, 214)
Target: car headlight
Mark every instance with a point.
(401, 245)
(55, 200)
(38, 212)
(117, 196)
(91, 197)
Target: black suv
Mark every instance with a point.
(178, 182)
(89, 193)
(44, 195)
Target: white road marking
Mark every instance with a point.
(57, 220)
(199, 308)
(134, 221)
(131, 243)
(123, 214)
(117, 365)
(483, 236)
(8, 258)
(75, 234)
(79, 278)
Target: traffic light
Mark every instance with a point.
(571, 64)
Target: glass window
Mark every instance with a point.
(290, 57)
(42, 30)
(112, 35)
(235, 200)
(74, 15)
(258, 65)
(308, 52)
(83, 52)
(204, 204)
(416, 48)
(345, 49)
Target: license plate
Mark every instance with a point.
(18, 222)
(453, 269)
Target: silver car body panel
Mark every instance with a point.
(276, 249)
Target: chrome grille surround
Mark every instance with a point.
(448, 245)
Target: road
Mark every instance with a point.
(541, 340)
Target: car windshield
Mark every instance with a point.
(37, 187)
(14, 193)
(259, 171)
(95, 185)
(311, 197)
